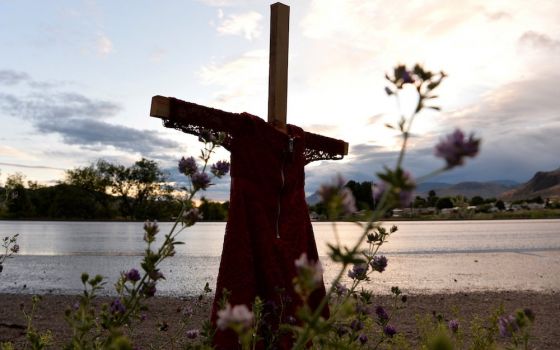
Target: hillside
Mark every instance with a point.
(545, 184)
(468, 189)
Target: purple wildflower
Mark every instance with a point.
(191, 216)
(407, 77)
(187, 166)
(356, 325)
(379, 263)
(403, 191)
(453, 325)
(405, 195)
(220, 169)
(363, 339)
(381, 314)
(390, 331)
(306, 267)
(358, 272)
(188, 311)
(340, 289)
(200, 181)
(237, 315)
(507, 325)
(193, 333)
(455, 147)
(348, 201)
(143, 317)
(339, 196)
(117, 307)
(378, 190)
(362, 309)
(133, 275)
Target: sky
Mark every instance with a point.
(77, 77)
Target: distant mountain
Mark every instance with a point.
(425, 187)
(489, 189)
(468, 189)
(507, 183)
(545, 184)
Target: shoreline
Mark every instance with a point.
(464, 306)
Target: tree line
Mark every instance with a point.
(109, 191)
(362, 192)
(101, 191)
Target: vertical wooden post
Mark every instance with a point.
(278, 65)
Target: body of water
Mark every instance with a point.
(424, 257)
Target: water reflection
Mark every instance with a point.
(423, 256)
(205, 239)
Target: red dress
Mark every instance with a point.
(268, 226)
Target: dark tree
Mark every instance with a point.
(420, 202)
(444, 203)
(362, 193)
(476, 200)
(432, 198)
(212, 211)
(500, 205)
(136, 185)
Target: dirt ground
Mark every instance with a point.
(50, 315)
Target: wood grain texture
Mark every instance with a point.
(278, 64)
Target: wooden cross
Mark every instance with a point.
(278, 73)
(268, 226)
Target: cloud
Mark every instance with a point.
(236, 80)
(517, 121)
(538, 41)
(245, 24)
(11, 152)
(498, 15)
(514, 106)
(104, 45)
(322, 129)
(80, 120)
(11, 77)
(228, 3)
(56, 105)
(94, 133)
(16, 165)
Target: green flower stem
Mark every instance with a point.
(169, 238)
(376, 215)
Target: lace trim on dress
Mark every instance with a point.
(199, 131)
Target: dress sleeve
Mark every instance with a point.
(318, 147)
(203, 121)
